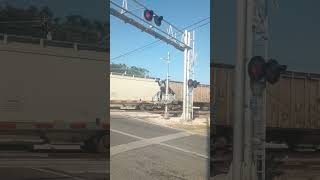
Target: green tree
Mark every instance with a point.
(122, 68)
(73, 28)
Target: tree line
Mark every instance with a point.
(133, 70)
(74, 28)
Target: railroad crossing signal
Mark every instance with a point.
(149, 15)
(270, 71)
(45, 25)
(256, 68)
(157, 20)
(273, 71)
(193, 83)
(46, 28)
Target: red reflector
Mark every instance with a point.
(8, 126)
(44, 125)
(254, 71)
(105, 126)
(78, 125)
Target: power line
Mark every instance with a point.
(199, 26)
(149, 45)
(135, 50)
(197, 23)
(154, 42)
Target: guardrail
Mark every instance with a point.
(131, 75)
(6, 38)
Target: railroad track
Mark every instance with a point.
(65, 151)
(51, 154)
(48, 164)
(159, 111)
(278, 162)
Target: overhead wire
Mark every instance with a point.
(154, 42)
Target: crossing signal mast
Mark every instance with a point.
(253, 70)
(46, 28)
(167, 33)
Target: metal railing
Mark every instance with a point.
(6, 38)
(131, 75)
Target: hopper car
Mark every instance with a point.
(53, 92)
(292, 107)
(129, 92)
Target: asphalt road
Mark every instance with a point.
(23, 165)
(140, 150)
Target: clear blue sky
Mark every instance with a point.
(125, 38)
(294, 33)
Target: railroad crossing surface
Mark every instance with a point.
(140, 150)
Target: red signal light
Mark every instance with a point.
(270, 71)
(193, 83)
(148, 14)
(190, 82)
(256, 68)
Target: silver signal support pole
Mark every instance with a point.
(189, 90)
(186, 94)
(259, 116)
(167, 88)
(239, 91)
(184, 110)
(192, 70)
(248, 123)
(187, 78)
(249, 126)
(166, 115)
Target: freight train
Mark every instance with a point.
(129, 92)
(53, 92)
(292, 107)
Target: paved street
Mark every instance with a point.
(140, 150)
(23, 165)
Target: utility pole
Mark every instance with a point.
(166, 114)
